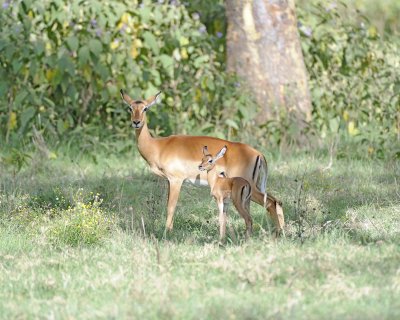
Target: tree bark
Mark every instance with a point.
(263, 48)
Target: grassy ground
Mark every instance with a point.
(80, 239)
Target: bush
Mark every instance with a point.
(354, 79)
(63, 63)
(83, 224)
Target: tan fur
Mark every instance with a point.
(224, 189)
(176, 158)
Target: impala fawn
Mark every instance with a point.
(223, 189)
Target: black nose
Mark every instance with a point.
(136, 123)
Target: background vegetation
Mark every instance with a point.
(63, 63)
(82, 219)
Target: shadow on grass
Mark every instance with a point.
(139, 199)
(349, 189)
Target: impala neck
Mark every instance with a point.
(145, 141)
(212, 177)
(143, 134)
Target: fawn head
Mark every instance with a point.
(208, 161)
(138, 108)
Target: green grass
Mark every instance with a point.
(340, 257)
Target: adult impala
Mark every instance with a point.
(224, 189)
(176, 158)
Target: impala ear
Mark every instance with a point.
(222, 174)
(205, 151)
(126, 98)
(221, 153)
(152, 100)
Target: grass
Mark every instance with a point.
(340, 257)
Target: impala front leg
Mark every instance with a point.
(222, 220)
(174, 188)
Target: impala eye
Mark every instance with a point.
(210, 161)
(129, 109)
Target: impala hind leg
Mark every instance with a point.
(274, 207)
(245, 214)
(174, 188)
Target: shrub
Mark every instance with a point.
(83, 224)
(63, 63)
(354, 79)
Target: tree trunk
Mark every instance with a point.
(263, 48)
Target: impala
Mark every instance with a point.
(176, 158)
(223, 189)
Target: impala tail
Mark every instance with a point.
(260, 175)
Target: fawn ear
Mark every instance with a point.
(205, 151)
(222, 174)
(128, 100)
(152, 100)
(221, 153)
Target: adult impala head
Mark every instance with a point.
(208, 161)
(138, 108)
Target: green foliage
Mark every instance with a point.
(381, 14)
(62, 65)
(16, 159)
(83, 224)
(212, 15)
(354, 79)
